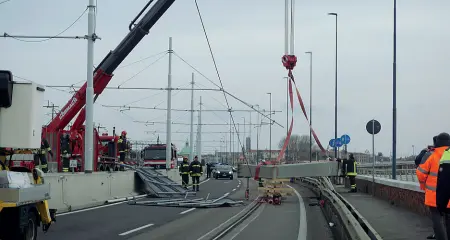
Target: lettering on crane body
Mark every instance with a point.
(64, 111)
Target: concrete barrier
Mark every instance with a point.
(74, 191)
(399, 193)
(71, 192)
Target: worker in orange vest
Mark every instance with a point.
(427, 174)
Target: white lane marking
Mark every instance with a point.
(103, 206)
(89, 209)
(226, 182)
(205, 181)
(238, 185)
(136, 229)
(234, 189)
(246, 225)
(230, 219)
(186, 211)
(303, 228)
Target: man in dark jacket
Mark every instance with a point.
(196, 170)
(425, 153)
(443, 186)
(349, 167)
(184, 172)
(208, 170)
(45, 148)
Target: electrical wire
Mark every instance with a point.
(140, 60)
(220, 79)
(157, 60)
(215, 99)
(50, 38)
(4, 1)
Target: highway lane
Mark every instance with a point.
(201, 221)
(121, 220)
(294, 219)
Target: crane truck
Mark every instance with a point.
(55, 131)
(23, 198)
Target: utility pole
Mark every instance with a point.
(270, 126)
(310, 105)
(89, 136)
(287, 113)
(257, 137)
(199, 146)
(52, 106)
(169, 108)
(191, 153)
(231, 145)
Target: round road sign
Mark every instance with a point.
(373, 127)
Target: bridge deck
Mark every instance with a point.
(391, 222)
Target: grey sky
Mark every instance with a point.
(247, 38)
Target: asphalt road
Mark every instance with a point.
(287, 221)
(121, 221)
(199, 224)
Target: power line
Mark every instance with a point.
(5, 1)
(151, 64)
(124, 108)
(140, 60)
(46, 39)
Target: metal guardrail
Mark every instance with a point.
(402, 174)
(348, 222)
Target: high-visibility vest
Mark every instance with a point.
(427, 173)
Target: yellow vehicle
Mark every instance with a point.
(23, 196)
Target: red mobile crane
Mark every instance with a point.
(54, 132)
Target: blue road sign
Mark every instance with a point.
(332, 142)
(338, 143)
(345, 139)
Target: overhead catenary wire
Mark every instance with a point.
(5, 1)
(50, 38)
(148, 66)
(221, 89)
(141, 60)
(220, 79)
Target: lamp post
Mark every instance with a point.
(270, 126)
(394, 97)
(310, 105)
(336, 82)
(287, 116)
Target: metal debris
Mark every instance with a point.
(157, 185)
(189, 203)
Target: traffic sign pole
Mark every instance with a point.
(373, 157)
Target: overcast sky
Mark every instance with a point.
(247, 38)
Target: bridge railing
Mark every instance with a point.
(402, 174)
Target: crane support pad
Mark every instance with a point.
(314, 169)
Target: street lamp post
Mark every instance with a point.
(270, 126)
(310, 105)
(336, 82)
(287, 116)
(394, 98)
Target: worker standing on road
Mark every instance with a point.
(184, 172)
(122, 142)
(420, 159)
(425, 153)
(443, 188)
(208, 170)
(427, 174)
(196, 170)
(349, 166)
(42, 156)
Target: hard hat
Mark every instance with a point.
(124, 133)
